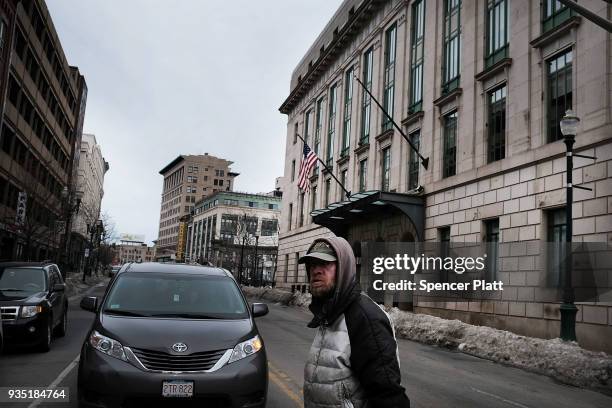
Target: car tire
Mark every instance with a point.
(60, 330)
(45, 344)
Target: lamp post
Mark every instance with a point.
(72, 202)
(569, 127)
(256, 275)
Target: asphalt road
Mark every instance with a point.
(433, 377)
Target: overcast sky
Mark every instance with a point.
(185, 77)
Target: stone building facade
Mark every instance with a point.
(236, 231)
(43, 101)
(188, 179)
(480, 88)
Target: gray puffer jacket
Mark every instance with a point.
(353, 361)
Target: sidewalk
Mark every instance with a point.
(75, 285)
(564, 361)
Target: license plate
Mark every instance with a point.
(177, 389)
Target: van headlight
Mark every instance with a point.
(30, 311)
(107, 345)
(245, 349)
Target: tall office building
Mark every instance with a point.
(479, 87)
(43, 106)
(188, 179)
(91, 168)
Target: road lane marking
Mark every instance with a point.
(58, 380)
(516, 404)
(274, 376)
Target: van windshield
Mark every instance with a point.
(175, 296)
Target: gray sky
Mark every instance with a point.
(185, 77)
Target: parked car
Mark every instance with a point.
(113, 270)
(173, 332)
(33, 303)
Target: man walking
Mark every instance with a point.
(353, 361)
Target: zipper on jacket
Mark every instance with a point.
(346, 399)
(323, 327)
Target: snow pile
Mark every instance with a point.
(75, 285)
(564, 361)
(301, 300)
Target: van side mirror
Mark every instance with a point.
(89, 303)
(259, 309)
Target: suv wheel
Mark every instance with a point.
(45, 344)
(60, 330)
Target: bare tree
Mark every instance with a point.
(108, 238)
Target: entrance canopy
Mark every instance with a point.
(369, 205)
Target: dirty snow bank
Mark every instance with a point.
(564, 361)
(298, 299)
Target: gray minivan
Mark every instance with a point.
(173, 333)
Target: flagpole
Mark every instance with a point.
(424, 160)
(348, 193)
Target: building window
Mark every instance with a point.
(554, 13)
(327, 191)
(307, 126)
(496, 143)
(386, 169)
(557, 246)
(492, 248)
(452, 31)
(297, 266)
(269, 227)
(313, 196)
(293, 170)
(343, 180)
(295, 133)
(449, 158)
(363, 174)
(559, 74)
(413, 165)
(366, 107)
(348, 102)
(497, 31)
(331, 125)
(290, 216)
(389, 78)
(417, 50)
(286, 267)
(318, 131)
(301, 209)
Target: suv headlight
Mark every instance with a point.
(107, 345)
(245, 349)
(30, 311)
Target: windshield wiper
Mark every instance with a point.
(12, 290)
(124, 313)
(186, 315)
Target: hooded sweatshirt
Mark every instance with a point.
(353, 361)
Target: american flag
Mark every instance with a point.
(308, 161)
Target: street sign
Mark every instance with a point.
(21, 208)
(86, 252)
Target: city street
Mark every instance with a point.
(433, 377)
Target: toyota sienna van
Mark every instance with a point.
(175, 335)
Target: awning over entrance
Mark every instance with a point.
(368, 205)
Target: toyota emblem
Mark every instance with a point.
(179, 347)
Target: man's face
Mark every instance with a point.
(322, 278)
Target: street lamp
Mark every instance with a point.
(569, 128)
(71, 201)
